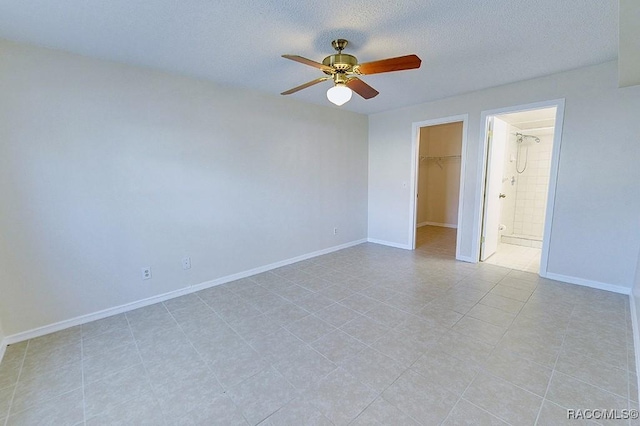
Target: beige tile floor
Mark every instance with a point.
(367, 335)
(516, 257)
(442, 241)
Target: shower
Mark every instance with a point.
(520, 138)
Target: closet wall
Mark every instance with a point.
(439, 174)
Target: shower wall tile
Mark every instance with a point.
(523, 210)
(532, 186)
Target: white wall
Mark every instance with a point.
(629, 42)
(595, 232)
(107, 168)
(439, 181)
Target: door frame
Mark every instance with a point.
(415, 158)
(553, 175)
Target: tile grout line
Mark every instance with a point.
(339, 365)
(380, 395)
(50, 398)
(200, 355)
(202, 358)
(459, 397)
(24, 357)
(484, 370)
(477, 406)
(586, 382)
(205, 362)
(629, 341)
(84, 399)
(144, 366)
(481, 368)
(478, 303)
(469, 384)
(553, 370)
(418, 373)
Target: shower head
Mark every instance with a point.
(520, 137)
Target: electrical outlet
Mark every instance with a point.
(335, 231)
(186, 263)
(146, 273)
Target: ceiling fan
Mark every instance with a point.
(344, 70)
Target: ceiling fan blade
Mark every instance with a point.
(400, 63)
(304, 86)
(361, 88)
(309, 62)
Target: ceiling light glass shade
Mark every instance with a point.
(339, 94)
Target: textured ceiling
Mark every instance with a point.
(465, 45)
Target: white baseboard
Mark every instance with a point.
(636, 334)
(3, 348)
(390, 244)
(587, 283)
(444, 225)
(83, 319)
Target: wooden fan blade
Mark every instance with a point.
(361, 88)
(304, 86)
(392, 64)
(309, 62)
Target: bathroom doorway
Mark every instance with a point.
(519, 169)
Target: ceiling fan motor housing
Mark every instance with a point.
(341, 62)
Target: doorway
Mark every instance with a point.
(518, 195)
(439, 149)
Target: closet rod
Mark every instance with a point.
(441, 157)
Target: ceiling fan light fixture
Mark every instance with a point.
(339, 94)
